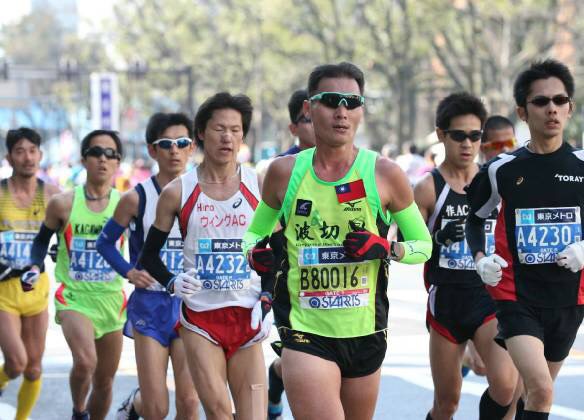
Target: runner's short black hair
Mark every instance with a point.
(541, 70)
(161, 121)
(344, 69)
(17, 134)
(456, 104)
(86, 142)
(295, 104)
(223, 100)
(495, 122)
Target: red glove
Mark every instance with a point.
(260, 258)
(364, 245)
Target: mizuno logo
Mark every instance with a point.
(351, 206)
(569, 178)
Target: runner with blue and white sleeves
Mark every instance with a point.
(152, 312)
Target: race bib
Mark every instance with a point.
(86, 264)
(331, 280)
(458, 256)
(542, 233)
(221, 265)
(172, 255)
(15, 248)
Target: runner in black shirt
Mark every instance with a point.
(535, 273)
(459, 307)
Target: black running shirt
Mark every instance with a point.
(542, 199)
(453, 264)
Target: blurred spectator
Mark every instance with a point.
(410, 161)
(498, 137)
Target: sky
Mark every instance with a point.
(90, 11)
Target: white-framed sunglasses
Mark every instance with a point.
(166, 144)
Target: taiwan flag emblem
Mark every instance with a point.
(350, 191)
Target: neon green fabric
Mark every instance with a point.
(79, 265)
(329, 294)
(418, 242)
(106, 310)
(262, 224)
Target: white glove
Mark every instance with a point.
(29, 279)
(187, 284)
(264, 331)
(572, 257)
(489, 268)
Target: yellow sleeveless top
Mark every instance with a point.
(19, 226)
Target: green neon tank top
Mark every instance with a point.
(325, 292)
(79, 266)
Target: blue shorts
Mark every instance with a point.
(153, 314)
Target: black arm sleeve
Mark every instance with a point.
(40, 245)
(480, 199)
(150, 256)
(475, 234)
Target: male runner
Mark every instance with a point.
(90, 304)
(214, 204)
(534, 274)
(300, 126)
(498, 137)
(152, 312)
(336, 203)
(23, 314)
(459, 307)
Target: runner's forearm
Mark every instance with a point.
(40, 246)
(106, 246)
(417, 242)
(262, 225)
(150, 256)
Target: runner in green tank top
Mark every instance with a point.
(335, 203)
(90, 304)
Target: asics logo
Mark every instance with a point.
(569, 178)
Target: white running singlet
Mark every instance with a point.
(212, 232)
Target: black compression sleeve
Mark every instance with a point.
(40, 245)
(475, 234)
(150, 256)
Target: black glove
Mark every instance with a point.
(53, 252)
(364, 245)
(5, 272)
(452, 232)
(262, 259)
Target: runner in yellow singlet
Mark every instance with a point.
(23, 314)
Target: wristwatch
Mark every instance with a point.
(392, 251)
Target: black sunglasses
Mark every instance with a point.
(460, 135)
(98, 151)
(336, 99)
(541, 101)
(303, 119)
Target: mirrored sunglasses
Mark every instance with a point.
(460, 135)
(336, 99)
(541, 101)
(498, 145)
(98, 151)
(166, 144)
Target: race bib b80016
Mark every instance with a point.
(542, 233)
